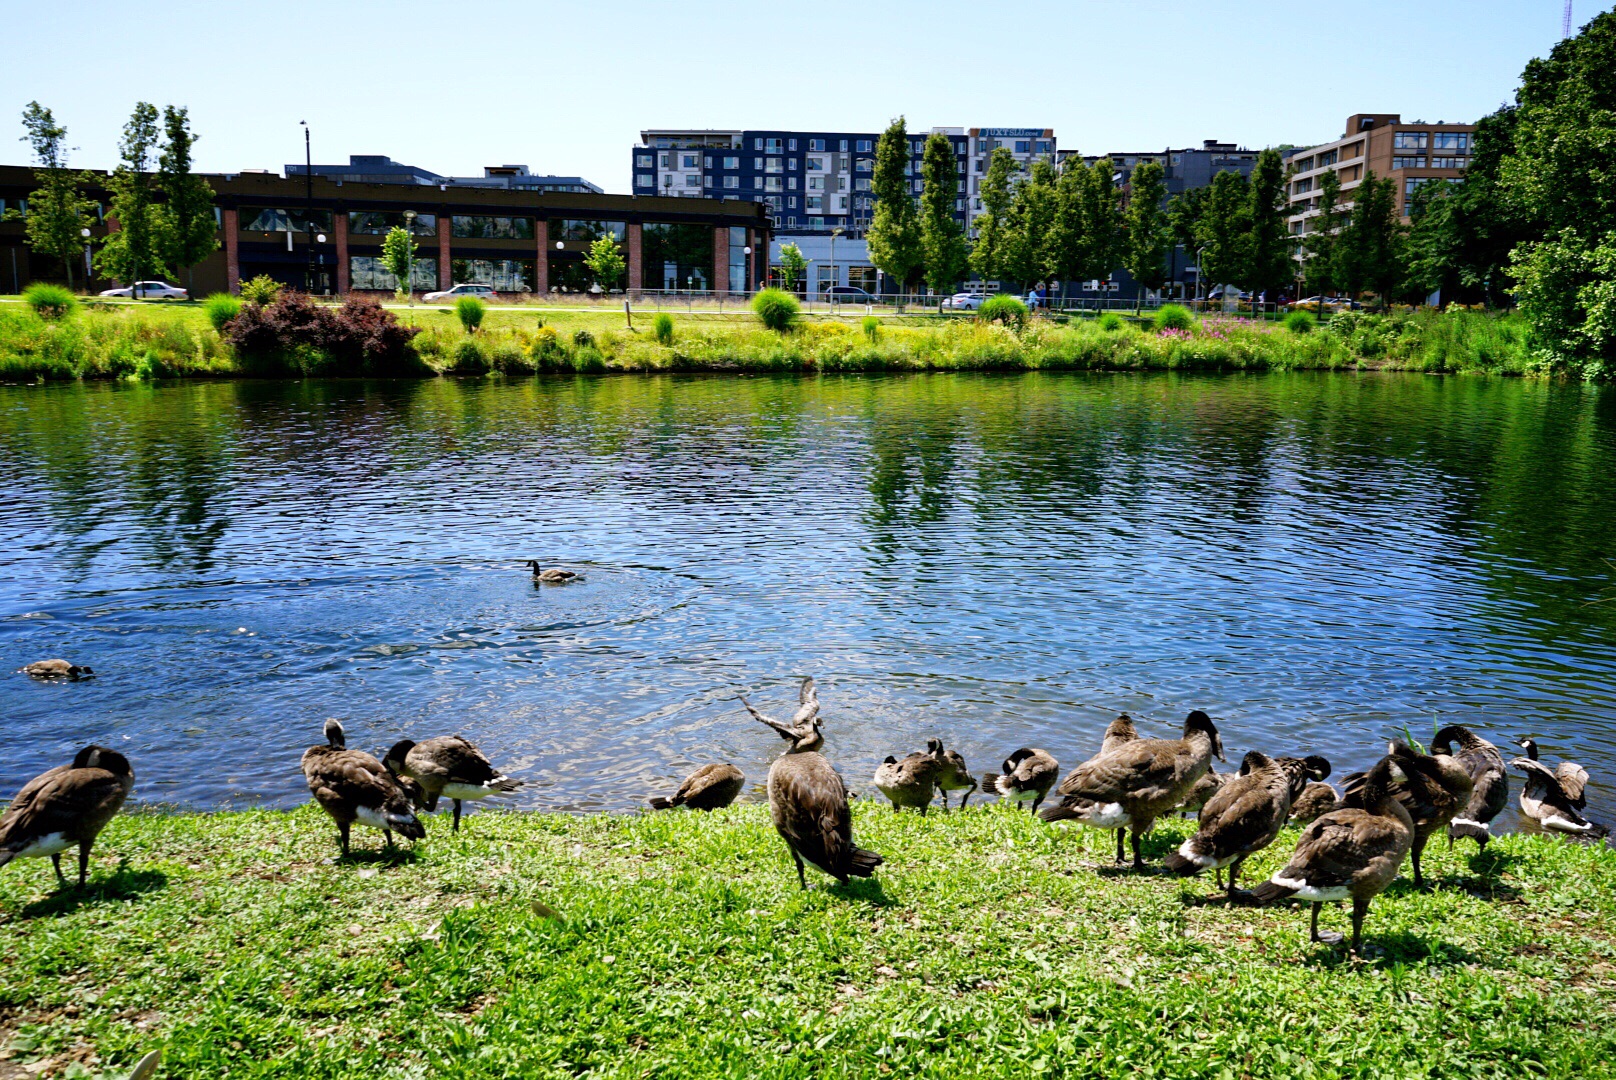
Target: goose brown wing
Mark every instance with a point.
(351, 778)
(703, 780)
(449, 759)
(1139, 770)
(77, 802)
(811, 812)
(1035, 770)
(1574, 782)
(1245, 813)
(1341, 845)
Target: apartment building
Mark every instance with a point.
(1187, 168)
(1411, 154)
(381, 169)
(814, 181)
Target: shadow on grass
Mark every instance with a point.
(1387, 948)
(122, 884)
(382, 856)
(865, 890)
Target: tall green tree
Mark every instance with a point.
(57, 212)
(186, 233)
(1320, 267)
(1369, 253)
(1146, 226)
(1068, 242)
(941, 238)
(1184, 218)
(1029, 239)
(606, 262)
(398, 255)
(990, 254)
(1223, 232)
(132, 250)
(894, 238)
(1270, 265)
(793, 266)
(1102, 246)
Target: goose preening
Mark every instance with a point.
(1433, 788)
(1245, 814)
(1573, 777)
(808, 800)
(1117, 733)
(449, 765)
(952, 775)
(1138, 781)
(1206, 787)
(1545, 800)
(711, 787)
(351, 786)
(553, 576)
(1316, 800)
(1489, 790)
(64, 806)
(56, 669)
(1351, 853)
(911, 781)
(1028, 775)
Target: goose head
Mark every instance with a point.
(335, 737)
(934, 747)
(1529, 745)
(1442, 742)
(1199, 721)
(1316, 767)
(1254, 760)
(99, 757)
(394, 759)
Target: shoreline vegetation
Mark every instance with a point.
(132, 341)
(678, 944)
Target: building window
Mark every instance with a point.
(644, 180)
(1303, 165)
(692, 180)
(771, 183)
(791, 144)
(642, 161)
(707, 162)
(864, 164)
(1303, 185)
(732, 182)
(254, 219)
(1409, 140)
(737, 259)
(816, 164)
(1450, 140)
(814, 202)
(1408, 163)
(477, 227)
(757, 144)
(791, 203)
(774, 166)
(370, 274)
(773, 201)
(380, 222)
(1328, 159)
(861, 184)
(732, 163)
(505, 275)
(771, 146)
(844, 146)
(816, 146)
(791, 183)
(1447, 163)
(575, 229)
(865, 146)
(676, 256)
(816, 183)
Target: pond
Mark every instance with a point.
(1317, 560)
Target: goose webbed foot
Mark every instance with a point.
(1324, 937)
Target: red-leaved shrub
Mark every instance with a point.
(294, 335)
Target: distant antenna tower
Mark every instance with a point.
(1565, 25)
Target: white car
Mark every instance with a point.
(481, 292)
(150, 290)
(963, 301)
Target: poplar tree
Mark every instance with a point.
(1102, 246)
(1030, 249)
(1370, 256)
(1269, 264)
(942, 239)
(1223, 231)
(893, 237)
(187, 233)
(1148, 235)
(991, 251)
(132, 250)
(1320, 248)
(57, 212)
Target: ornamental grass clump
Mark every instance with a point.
(470, 311)
(872, 328)
(1301, 322)
(1111, 322)
(1004, 309)
(1174, 317)
(662, 328)
(776, 309)
(220, 308)
(50, 301)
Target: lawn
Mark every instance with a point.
(678, 945)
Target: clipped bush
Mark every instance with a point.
(262, 290)
(470, 311)
(1300, 322)
(583, 339)
(872, 327)
(468, 358)
(294, 335)
(1005, 309)
(1111, 322)
(220, 308)
(776, 309)
(50, 301)
(1174, 317)
(662, 328)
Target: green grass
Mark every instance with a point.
(989, 945)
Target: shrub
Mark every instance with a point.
(583, 339)
(296, 335)
(468, 358)
(220, 308)
(470, 311)
(872, 327)
(1005, 309)
(662, 327)
(1174, 317)
(262, 289)
(776, 309)
(1111, 322)
(507, 358)
(50, 301)
(1300, 322)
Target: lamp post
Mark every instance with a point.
(834, 233)
(308, 206)
(85, 233)
(1200, 272)
(746, 285)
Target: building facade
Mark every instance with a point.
(325, 236)
(814, 181)
(380, 169)
(1412, 155)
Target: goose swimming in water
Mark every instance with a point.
(553, 576)
(64, 806)
(1545, 800)
(352, 786)
(808, 800)
(56, 669)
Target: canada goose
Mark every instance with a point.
(910, 782)
(1245, 814)
(452, 766)
(808, 800)
(67, 805)
(553, 576)
(351, 786)
(1028, 775)
(1206, 787)
(1545, 800)
(1316, 800)
(56, 669)
(1138, 781)
(1433, 789)
(952, 775)
(1117, 733)
(1489, 791)
(711, 787)
(1351, 853)
(1573, 777)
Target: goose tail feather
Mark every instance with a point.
(863, 863)
(1178, 864)
(659, 803)
(504, 784)
(1059, 812)
(1270, 893)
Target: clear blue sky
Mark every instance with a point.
(567, 87)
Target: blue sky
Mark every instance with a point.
(567, 87)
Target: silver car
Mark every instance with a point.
(963, 301)
(481, 292)
(150, 290)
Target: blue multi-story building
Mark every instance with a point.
(813, 181)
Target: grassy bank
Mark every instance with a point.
(677, 945)
(175, 340)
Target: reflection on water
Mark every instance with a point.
(1317, 560)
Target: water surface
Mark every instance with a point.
(1317, 560)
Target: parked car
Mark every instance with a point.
(850, 294)
(150, 290)
(455, 292)
(963, 301)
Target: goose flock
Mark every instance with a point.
(1352, 846)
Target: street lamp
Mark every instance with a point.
(1200, 271)
(85, 233)
(834, 233)
(308, 205)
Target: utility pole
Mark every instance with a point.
(308, 207)
(1565, 25)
